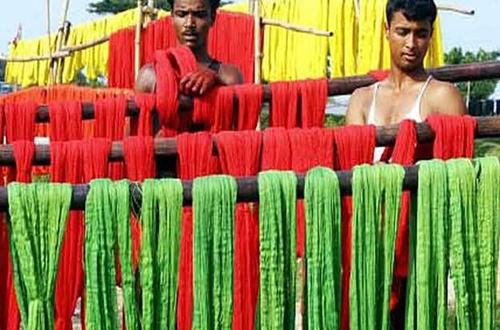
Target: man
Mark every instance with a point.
(192, 20)
(409, 92)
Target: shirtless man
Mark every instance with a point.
(409, 92)
(192, 20)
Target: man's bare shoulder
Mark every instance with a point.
(445, 98)
(362, 93)
(358, 105)
(230, 74)
(146, 79)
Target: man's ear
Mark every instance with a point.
(213, 16)
(386, 30)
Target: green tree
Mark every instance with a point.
(478, 89)
(2, 70)
(117, 6)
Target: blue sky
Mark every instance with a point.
(471, 33)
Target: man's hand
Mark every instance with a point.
(198, 82)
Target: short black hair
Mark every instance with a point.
(214, 4)
(414, 10)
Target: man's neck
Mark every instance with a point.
(202, 56)
(400, 79)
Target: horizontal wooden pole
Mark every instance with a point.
(248, 189)
(167, 147)
(337, 86)
(296, 28)
(456, 9)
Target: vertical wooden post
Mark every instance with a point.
(257, 41)
(138, 39)
(62, 34)
(51, 71)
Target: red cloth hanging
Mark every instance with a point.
(158, 35)
(354, 145)
(24, 152)
(276, 150)
(249, 106)
(66, 131)
(239, 155)
(110, 116)
(170, 65)
(95, 158)
(314, 95)
(20, 131)
(138, 153)
(224, 110)
(231, 41)
(121, 63)
(214, 110)
(454, 135)
(404, 153)
(304, 158)
(20, 121)
(66, 166)
(195, 159)
(95, 165)
(65, 121)
(144, 125)
(284, 110)
(229, 33)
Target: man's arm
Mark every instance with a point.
(199, 82)
(355, 114)
(146, 80)
(229, 75)
(446, 99)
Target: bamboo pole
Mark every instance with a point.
(247, 189)
(37, 57)
(296, 28)
(487, 127)
(338, 86)
(138, 30)
(51, 72)
(257, 45)
(65, 52)
(62, 35)
(69, 50)
(456, 9)
(357, 10)
(257, 41)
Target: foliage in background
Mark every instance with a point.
(2, 70)
(117, 6)
(479, 89)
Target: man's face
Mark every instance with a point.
(408, 41)
(192, 20)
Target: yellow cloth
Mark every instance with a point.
(94, 59)
(289, 55)
(357, 47)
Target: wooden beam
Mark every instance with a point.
(296, 28)
(456, 9)
(167, 147)
(247, 189)
(137, 41)
(338, 86)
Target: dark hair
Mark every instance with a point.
(214, 4)
(414, 10)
